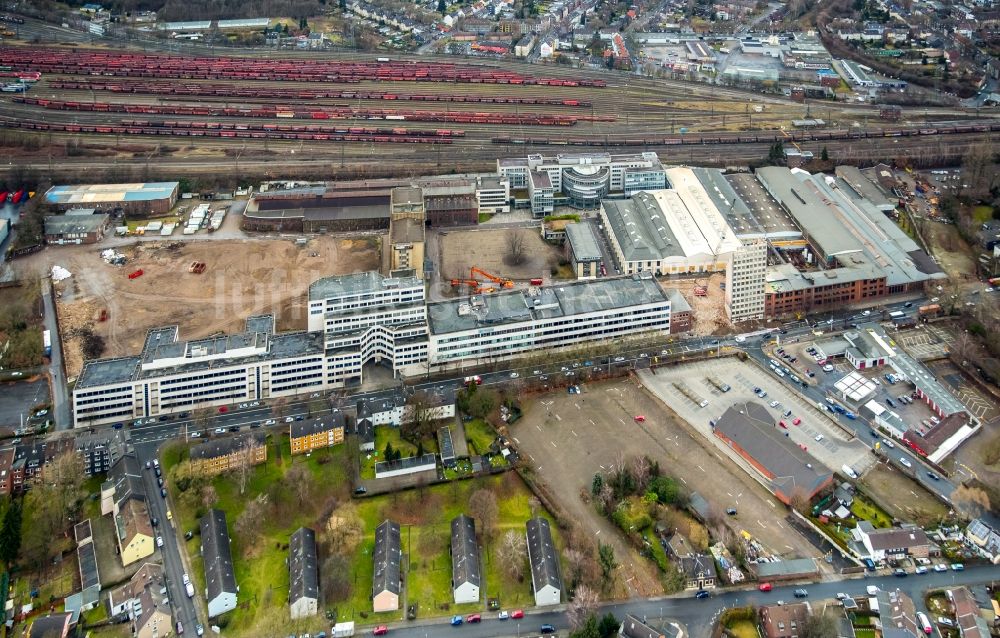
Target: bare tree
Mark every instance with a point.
(419, 422)
(640, 471)
(246, 458)
(248, 523)
(512, 553)
(300, 482)
(344, 530)
(516, 247)
(583, 605)
(483, 508)
(209, 497)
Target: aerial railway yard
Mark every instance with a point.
(387, 111)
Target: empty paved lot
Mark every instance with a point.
(567, 438)
(834, 450)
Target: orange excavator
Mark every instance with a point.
(505, 283)
(476, 287)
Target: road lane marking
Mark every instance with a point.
(574, 432)
(552, 443)
(558, 418)
(539, 427)
(701, 468)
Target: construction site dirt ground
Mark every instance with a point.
(566, 439)
(488, 249)
(242, 278)
(709, 312)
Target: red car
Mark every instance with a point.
(640, 419)
(381, 630)
(796, 421)
(764, 587)
(223, 410)
(473, 618)
(517, 613)
(783, 424)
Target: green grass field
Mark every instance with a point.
(743, 629)
(260, 569)
(424, 514)
(480, 436)
(384, 435)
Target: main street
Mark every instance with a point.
(697, 615)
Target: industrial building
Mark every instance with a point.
(358, 205)
(142, 199)
(855, 253)
(77, 226)
(749, 429)
(355, 320)
(675, 230)
(404, 253)
(580, 180)
(583, 250)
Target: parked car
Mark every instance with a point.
(702, 593)
(503, 615)
(548, 629)
(957, 567)
(801, 593)
(764, 587)
(381, 630)
(899, 573)
(473, 618)
(456, 621)
(159, 541)
(905, 462)
(517, 614)
(940, 567)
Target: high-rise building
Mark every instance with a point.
(745, 281)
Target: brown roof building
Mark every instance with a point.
(221, 455)
(749, 429)
(783, 621)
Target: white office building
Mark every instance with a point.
(745, 282)
(581, 180)
(492, 195)
(355, 320)
(486, 328)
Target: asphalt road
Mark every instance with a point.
(183, 607)
(698, 615)
(57, 374)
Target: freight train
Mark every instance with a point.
(260, 92)
(147, 65)
(326, 135)
(316, 113)
(768, 137)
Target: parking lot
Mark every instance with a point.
(568, 438)
(816, 433)
(913, 413)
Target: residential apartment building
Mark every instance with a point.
(465, 568)
(543, 558)
(313, 434)
(220, 579)
(123, 497)
(303, 574)
(745, 281)
(226, 453)
(582, 180)
(144, 600)
(386, 556)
